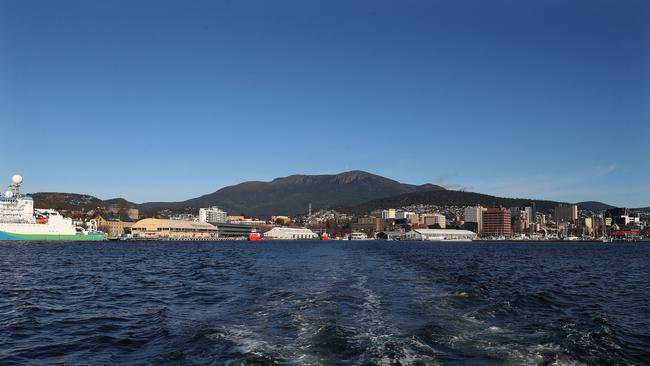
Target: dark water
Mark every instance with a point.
(312, 303)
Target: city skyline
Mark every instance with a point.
(165, 101)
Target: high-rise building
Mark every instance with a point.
(531, 211)
(213, 215)
(496, 222)
(566, 213)
(588, 225)
(475, 215)
(520, 224)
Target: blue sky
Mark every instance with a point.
(167, 100)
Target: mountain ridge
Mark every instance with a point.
(353, 191)
(594, 205)
(260, 198)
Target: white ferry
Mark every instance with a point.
(20, 221)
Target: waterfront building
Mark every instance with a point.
(566, 213)
(390, 235)
(440, 235)
(369, 225)
(496, 222)
(474, 215)
(213, 215)
(244, 221)
(290, 233)
(234, 231)
(162, 229)
(430, 219)
(112, 227)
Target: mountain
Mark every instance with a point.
(594, 206)
(75, 201)
(354, 192)
(120, 202)
(446, 198)
(66, 201)
(291, 195)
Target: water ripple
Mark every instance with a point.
(315, 303)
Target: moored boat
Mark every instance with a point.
(255, 236)
(357, 236)
(20, 221)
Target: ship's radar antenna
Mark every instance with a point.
(14, 187)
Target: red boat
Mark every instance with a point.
(325, 236)
(255, 236)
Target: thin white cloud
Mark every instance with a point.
(570, 185)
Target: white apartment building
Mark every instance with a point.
(212, 215)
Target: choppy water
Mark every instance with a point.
(313, 303)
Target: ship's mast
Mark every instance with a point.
(14, 187)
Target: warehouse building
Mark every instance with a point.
(287, 233)
(440, 235)
(162, 229)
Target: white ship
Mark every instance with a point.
(19, 220)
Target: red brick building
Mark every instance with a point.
(496, 221)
